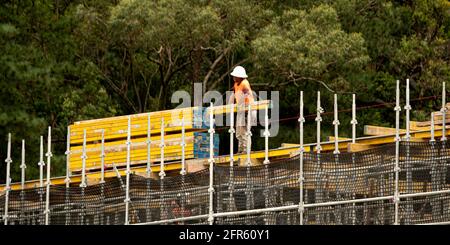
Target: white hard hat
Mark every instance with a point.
(239, 71)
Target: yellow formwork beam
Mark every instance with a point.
(378, 130)
(116, 127)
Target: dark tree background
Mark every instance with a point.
(64, 61)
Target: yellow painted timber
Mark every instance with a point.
(355, 147)
(284, 145)
(331, 138)
(421, 126)
(120, 132)
(171, 112)
(122, 154)
(115, 152)
(156, 140)
(135, 157)
(258, 105)
(377, 130)
(116, 127)
(438, 115)
(330, 147)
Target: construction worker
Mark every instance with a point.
(242, 96)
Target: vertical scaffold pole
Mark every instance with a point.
(353, 122)
(8, 180)
(230, 184)
(266, 136)
(41, 162)
(443, 169)
(148, 170)
(183, 148)
(49, 155)
(83, 161)
(444, 115)
(83, 176)
(249, 134)
(102, 178)
(67, 179)
(41, 177)
(336, 153)
(301, 120)
(127, 185)
(67, 153)
(183, 163)
(432, 137)
(162, 173)
(397, 152)
(434, 169)
(231, 131)
(407, 110)
(336, 127)
(149, 144)
(318, 120)
(319, 197)
(23, 167)
(102, 158)
(266, 157)
(211, 164)
(407, 160)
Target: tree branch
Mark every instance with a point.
(214, 64)
(294, 78)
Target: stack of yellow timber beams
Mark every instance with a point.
(115, 133)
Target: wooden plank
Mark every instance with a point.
(378, 130)
(331, 138)
(120, 132)
(116, 127)
(258, 105)
(356, 147)
(137, 143)
(197, 146)
(422, 126)
(135, 158)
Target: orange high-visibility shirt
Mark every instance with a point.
(240, 92)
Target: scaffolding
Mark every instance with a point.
(404, 182)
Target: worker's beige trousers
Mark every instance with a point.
(241, 132)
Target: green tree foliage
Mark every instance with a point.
(152, 48)
(308, 50)
(64, 61)
(43, 82)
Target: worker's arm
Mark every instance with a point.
(247, 91)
